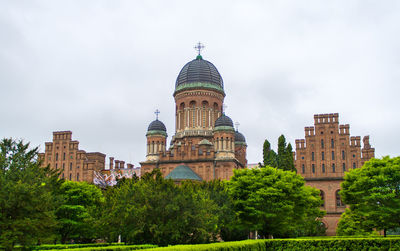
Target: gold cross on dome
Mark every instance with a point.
(199, 47)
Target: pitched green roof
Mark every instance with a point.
(183, 172)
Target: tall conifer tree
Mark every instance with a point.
(269, 155)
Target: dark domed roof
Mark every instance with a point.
(157, 125)
(183, 172)
(224, 121)
(239, 137)
(199, 71)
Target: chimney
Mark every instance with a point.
(111, 163)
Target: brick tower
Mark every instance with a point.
(323, 157)
(204, 139)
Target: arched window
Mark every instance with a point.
(313, 168)
(303, 169)
(344, 167)
(354, 165)
(323, 168)
(339, 202)
(193, 107)
(333, 168)
(343, 155)
(332, 143)
(322, 143)
(312, 156)
(322, 195)
(333, 155)
(322, 155)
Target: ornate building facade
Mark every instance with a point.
(64, 154)
(323, 157)
(205, 145)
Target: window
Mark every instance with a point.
(302, 157)
(343, 156)
(322, 195)
(56, 166)
(70, 166)
(339, 202)
(354, 165)
(333, 168)
(344, 167)
(77, 177)
(303, 169)
(322, 143)
(322, 155)
(333, 155)
(63, 165)
(77, 166)
(323, 168)
(313, 168)
(64, 156)
(332, 143)
(312, 156)
(56, 156)
(63, 175)
(70, 176)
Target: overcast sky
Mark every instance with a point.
(101, 68)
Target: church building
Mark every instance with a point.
(205, 145)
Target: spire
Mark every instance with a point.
(224, 108)
(237, 124)
(156, 113)
(199, 47)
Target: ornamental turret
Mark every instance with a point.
(224, 138)
(156, 139)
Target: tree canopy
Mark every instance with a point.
(283, 159)
(373, 193)
(27, 200)
(273, 201)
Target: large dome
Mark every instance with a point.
(199, 71)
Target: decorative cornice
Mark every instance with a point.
(156, 132)
(199, 85)
(224, 128)
(324, 179)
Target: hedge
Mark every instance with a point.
(100, 247)
(73, 246)
(296, 244)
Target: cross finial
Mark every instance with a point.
(199, 47)
(224, 108)
(156, 113)
(237, 124)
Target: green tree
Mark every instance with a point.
(283, 159)
(269, 155)
(273, 201)
(228, 227)
(352, 223)
(155, 210)
(27, 202)
(373, 193)
(79, 210)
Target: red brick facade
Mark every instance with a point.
(322, 158)
(64, 153)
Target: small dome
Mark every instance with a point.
(224, 121)
(157, 125)
(183, 172)
(239, 138)
(199, 71)
(205, 142)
